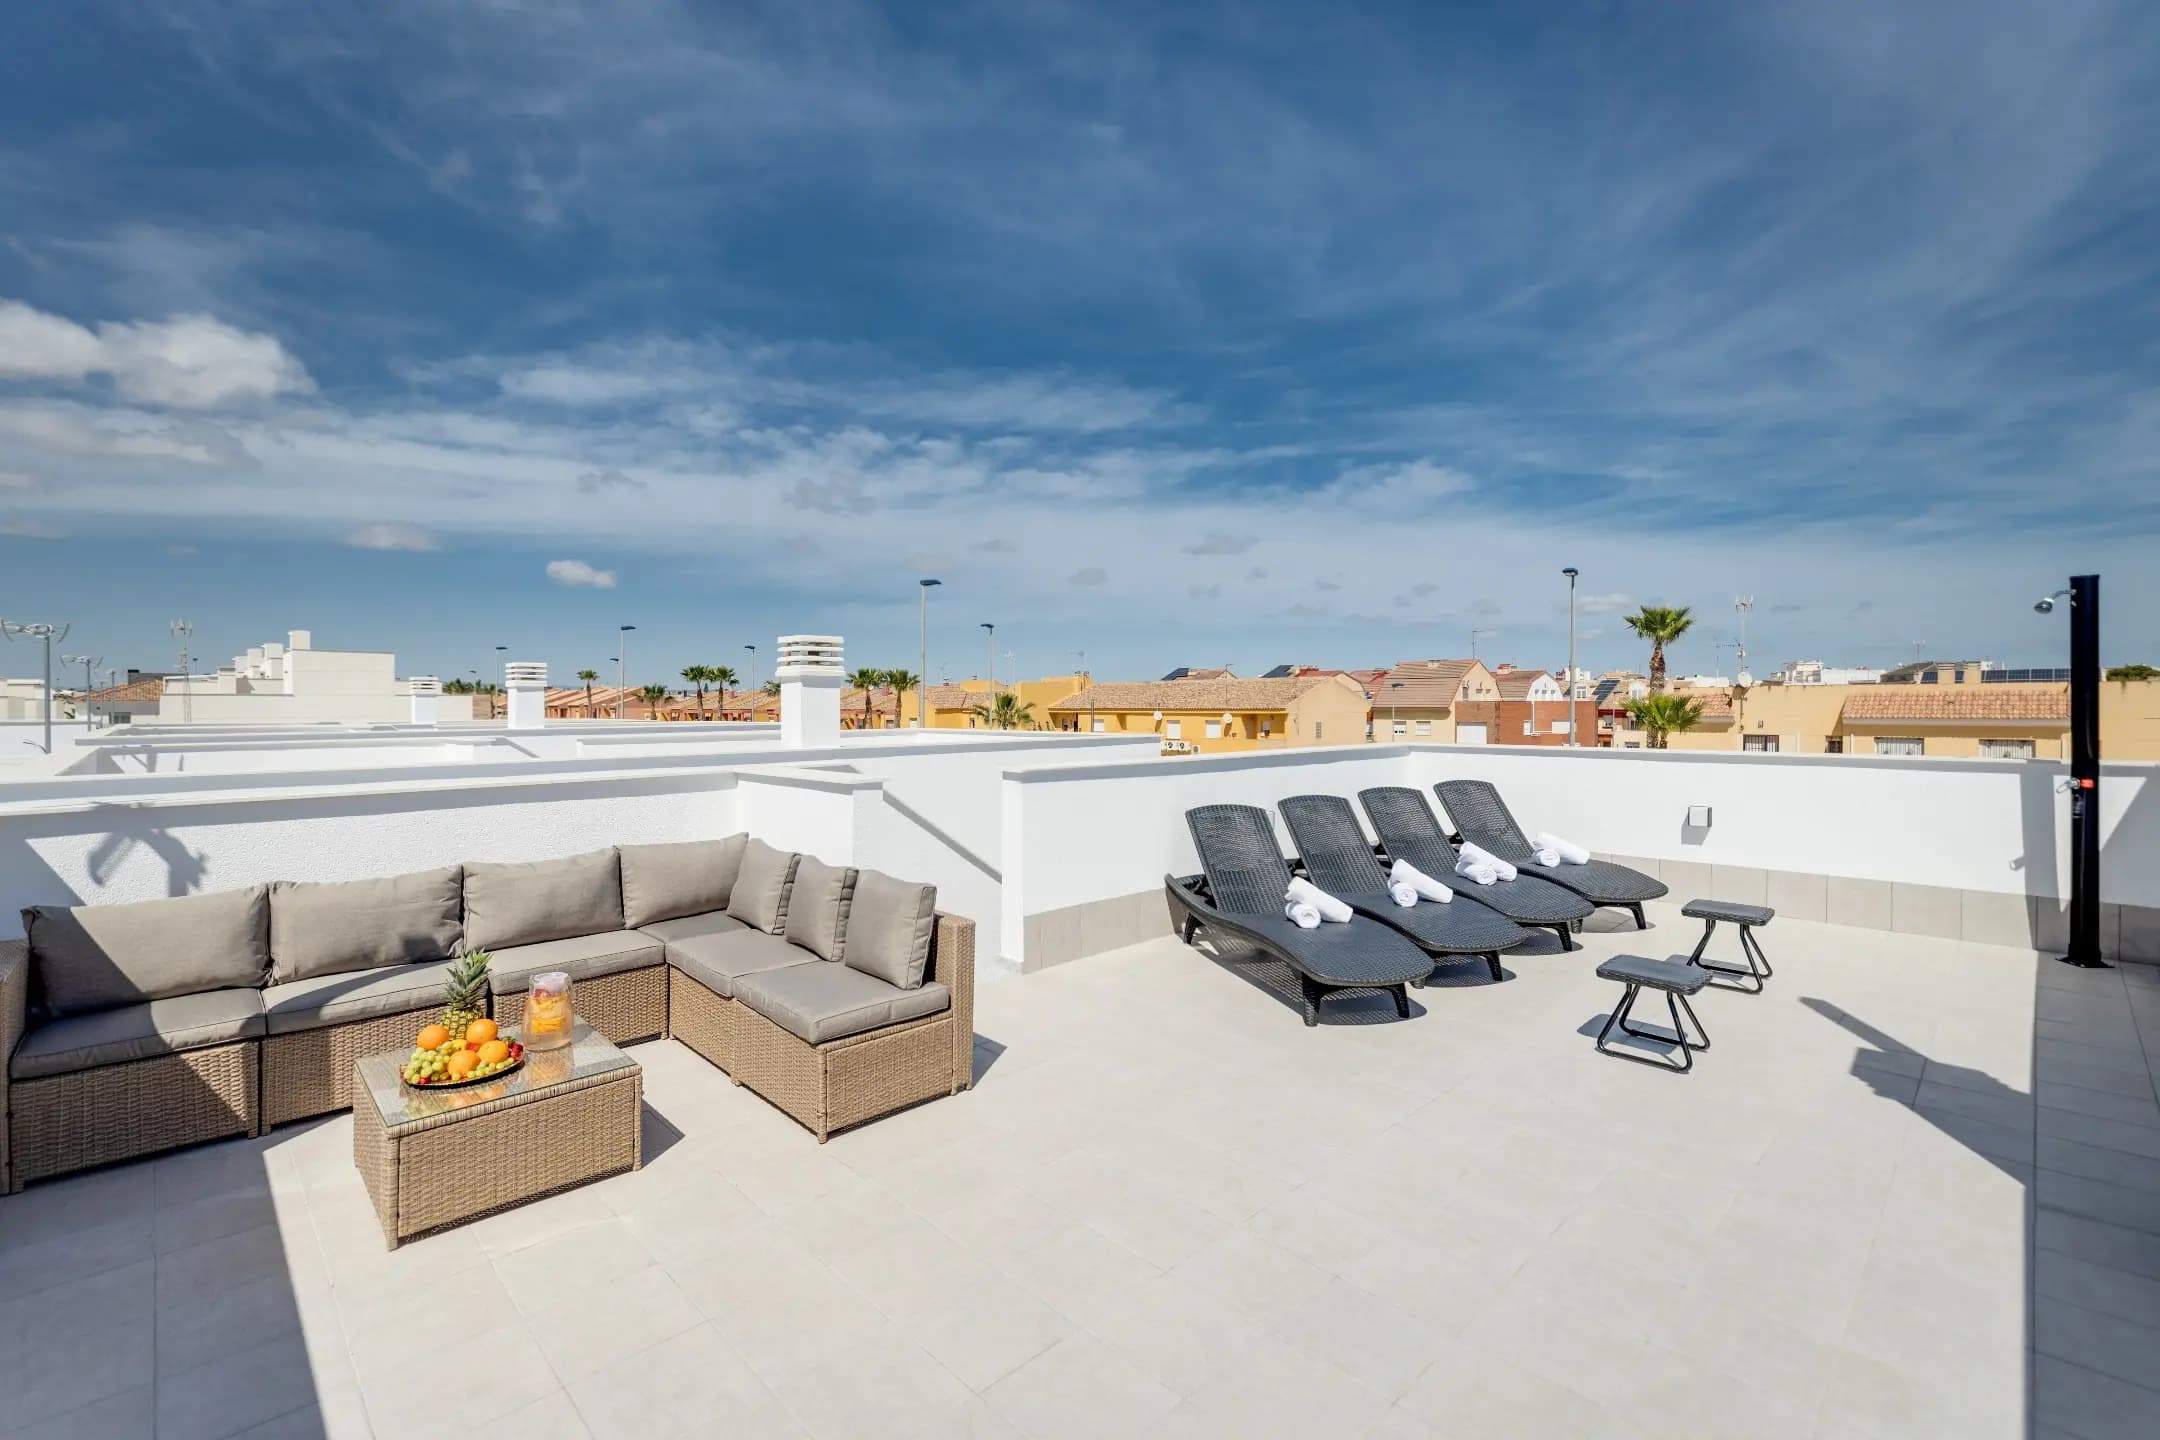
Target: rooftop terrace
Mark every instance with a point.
(1914, 1189)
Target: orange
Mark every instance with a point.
(432, 1037)
(462, 1064)
(494, 1052)
(480, 1032)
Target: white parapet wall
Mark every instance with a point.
(1966, 849)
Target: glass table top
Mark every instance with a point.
(588, 1054)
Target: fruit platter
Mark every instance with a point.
(443, 1060)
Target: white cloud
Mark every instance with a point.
(25, 528)
(1606, 604)
(73, 431)
(17, 480)
(389, 537)
(188, 362)
(578, 573)
(1088, 575)
(1221, 544)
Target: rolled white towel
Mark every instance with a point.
(1476, 871)
(1403, 894)
(1301, 914)
(1544, 855)
(1329, 907)
(1569, 852)
(1479, 855)
(1427, 888)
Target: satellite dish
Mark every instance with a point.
(1746, 679)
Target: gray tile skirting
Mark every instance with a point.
(1984, 917)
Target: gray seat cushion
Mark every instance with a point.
(890, 923)
(817, 909)
(98, 957)
(719, 961)
(581, 957)
(526, 903)
(661, 882)
(323, 1000)
(137, 1032)
(761, 887)
(333, 929)
(1733, 910)
(819, 1002)
(1675, 975)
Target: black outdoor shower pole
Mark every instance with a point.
(2085, 773)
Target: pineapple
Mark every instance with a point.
(465, 988)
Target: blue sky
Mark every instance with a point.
(1180, 334)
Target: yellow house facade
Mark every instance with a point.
(1204, 717)
(1951, 720)
(1417, 700)
(952, 707)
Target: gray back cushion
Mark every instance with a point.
(817, 908)
(93, 957)
(761, 887)
(332, 929)
(889, 926)
(662, 882)
(525, 903)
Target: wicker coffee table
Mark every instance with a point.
(432, 1159)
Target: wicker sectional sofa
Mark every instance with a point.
(838, 995)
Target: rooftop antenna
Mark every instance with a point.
(1741, 605)
(88, 663)
(1474, 639)
(181, 629)
(39, 630)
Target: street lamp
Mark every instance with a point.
(2084, 598)
(753, 680)
(922, 681)
(39, 630)
(1571, 572)
(86, 661)
(990, 635)
(1082, 654)
(1392, 686)
(622, 664)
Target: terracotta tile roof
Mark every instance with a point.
(2047, 703)
(1190, 695)
(1515, 684)
(1427, 684)
(955, 697)
(134, 690)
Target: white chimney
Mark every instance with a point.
(426, 693)
(810, 674)
(526, 681)
(299, 640)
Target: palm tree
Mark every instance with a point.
(1661, 715)
(902, 681)
(1660, 625)
(1005, 711)
(865, 679)
(697, 675)
(720, 677)
(588, 676)
(652, 695)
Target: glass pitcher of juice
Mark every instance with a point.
(547, 1012)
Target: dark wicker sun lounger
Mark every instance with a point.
(1240, 893)
(1340, 861)
(1480, 816)
(1408, 831)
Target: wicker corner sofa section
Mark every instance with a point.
(126, 1030)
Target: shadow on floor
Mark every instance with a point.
(1344, 1007)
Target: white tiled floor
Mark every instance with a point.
(1913, 1190)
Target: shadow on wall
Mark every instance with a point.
(112, 854)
